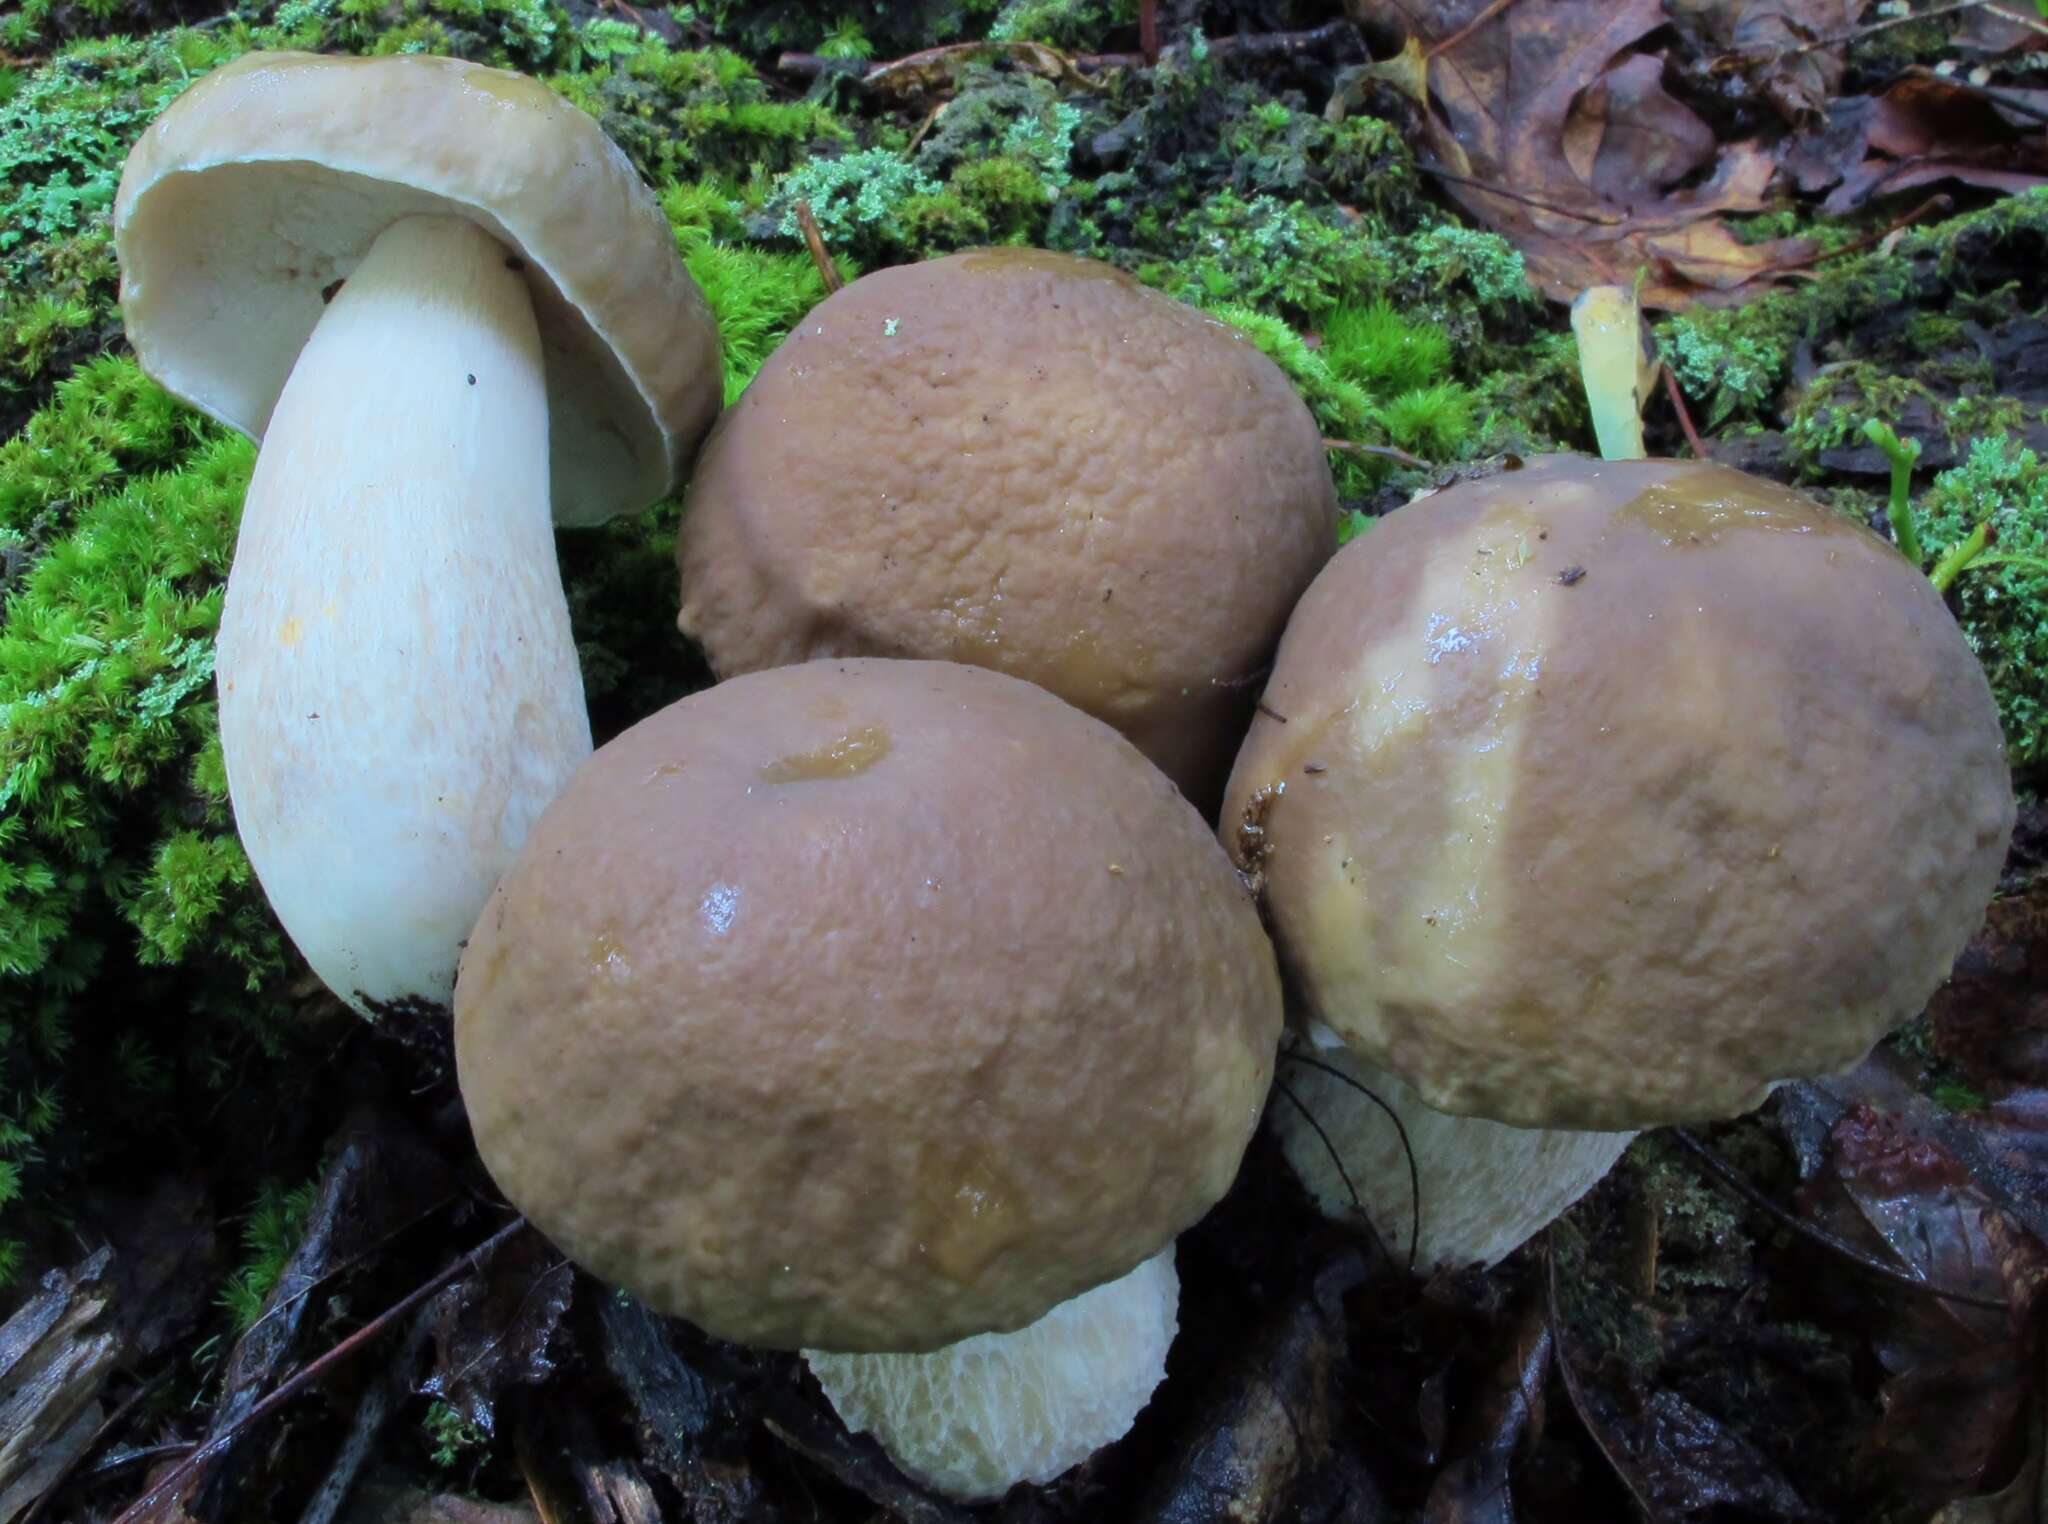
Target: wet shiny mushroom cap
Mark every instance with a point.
(866, 1005)
(1025, 461)
(1610, 794)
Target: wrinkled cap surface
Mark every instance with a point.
(1025, 461)
(266, 182)
(866, 1005)
(1612, 793)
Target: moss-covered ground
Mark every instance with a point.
(149, 1008)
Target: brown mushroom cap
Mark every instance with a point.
(866, 1005)
(1025, 461)
(263, 186)
(1612, 793)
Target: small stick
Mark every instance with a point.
(931, 120)
(1692, 435)
(1736, 1181)
(1384, 452)
(1500, 190)
(1148, 30)
(814, 240)
(176, 1478)
(1936, 203)
(1857, 34)
(1467, 29)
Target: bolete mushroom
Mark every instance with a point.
(446, 304)
(1024, 461)
(1612, 794)
(867, 1006)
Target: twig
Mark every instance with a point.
(1736, 1181)
(1940, 202)
(931, 120)
(2025, 22)
(1253, 45)
(814, 240)
(1692, 435)
(123, 1460)
(1148, 30)
(1384, 452)
(1857, 34)
(113, 1422)
(175, 1480)
(1501, 190)
(1467, 29)
(1414, 1174)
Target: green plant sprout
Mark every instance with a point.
(1971, 553)
(1903, 454)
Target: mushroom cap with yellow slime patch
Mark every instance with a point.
(866, 1005)
(1611, 794)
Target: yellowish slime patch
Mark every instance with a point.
(852, 754)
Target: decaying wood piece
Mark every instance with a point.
(678, 1417)
(571, 1481)
(1266, 1427)
(56, 1354)
(390, 1390)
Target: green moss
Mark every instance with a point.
(453, 1441)
(1434, 422)
(1382, 351)
(847, 39)
(1079, 24)
(2002, 601)
(270, 1233)
(1729, 361)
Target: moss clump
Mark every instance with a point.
(270, 1235)
(2001, 598)
(1078, 24)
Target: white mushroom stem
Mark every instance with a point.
(399, 694)
(1485, 1189)
(975, 1418)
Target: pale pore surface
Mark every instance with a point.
(265, 183)
(1486, 1189)
(1025, 461)
(1612, 793)
(399, 694)
(976, 1418)
(866, 1005)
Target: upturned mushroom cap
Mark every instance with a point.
(866, 1005)
(1025, 461)
(265, 183)
(1610, 794)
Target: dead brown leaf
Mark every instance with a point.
(1925, 128)
(1781, 49)
(1960, 1377)
(1548, 129)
